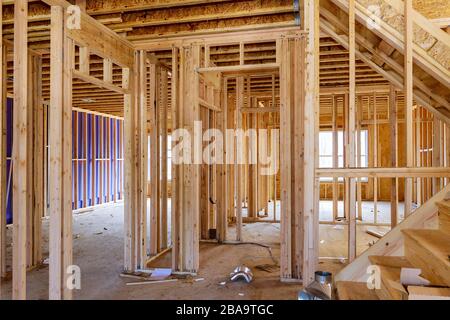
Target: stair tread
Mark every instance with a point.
(429, 250)
(390, 268)
(389, 274)
(436, 241)
(434, 293)
(390, 261)
(348, 290)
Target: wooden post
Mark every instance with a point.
(408, 87)
(222, 172)
(84, 57)
(176, 169)
(351, 134)
(155, 208)
(335, 158)
(37, 199)
(129, 155)
(417, 133)
(141, 86)
(204, 184)
(394, 153)
(185, 228)
(375, 157)
(296, 166)
(436, 143)
(163, 126)
(359, 113)
(20, 154)
(276, 154)
(238, 168)
(66, 211)
(311, 148)
(253, 186)
(60, 166)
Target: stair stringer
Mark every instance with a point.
(424, 217)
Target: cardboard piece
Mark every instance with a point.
(411, 277)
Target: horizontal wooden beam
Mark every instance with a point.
(243, 68)
(96, 113)
(383, 172)
(99, 39)
(208, 105)
(217, 38)
(260, 110)
(97, 82)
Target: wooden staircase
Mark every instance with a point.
(426, 249)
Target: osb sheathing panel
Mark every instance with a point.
(208, 10)
(433, 9)
(187, 28)
(441, 53)
(395, 19)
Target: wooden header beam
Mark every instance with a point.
(217, 39)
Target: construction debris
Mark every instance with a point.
(242, 272)
(150, 282)
(320, 289)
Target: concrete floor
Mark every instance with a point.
(98, 251)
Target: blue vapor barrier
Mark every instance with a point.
(9, 138)
(97, 159)
(97, 165)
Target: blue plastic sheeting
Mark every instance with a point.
(114, 152)
(95, 156)
(9, 130)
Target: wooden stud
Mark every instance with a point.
(191, 184)
(238, 169)
(311, 126)
(394, 154)
(20, 158)
(408, 88)
(38, 160)
(436, 145)
(351, 134)
(66, 234)
(164, 177)
(375, 157)
(241, 54)
(297, 209)
(176, 169)
(107, 70)
(222, 172)
(60, 169)
(3, 106)
(129, 174)
(142, 149)
(155, 207)
(84, 57)
(204, 184)
(335, 158)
